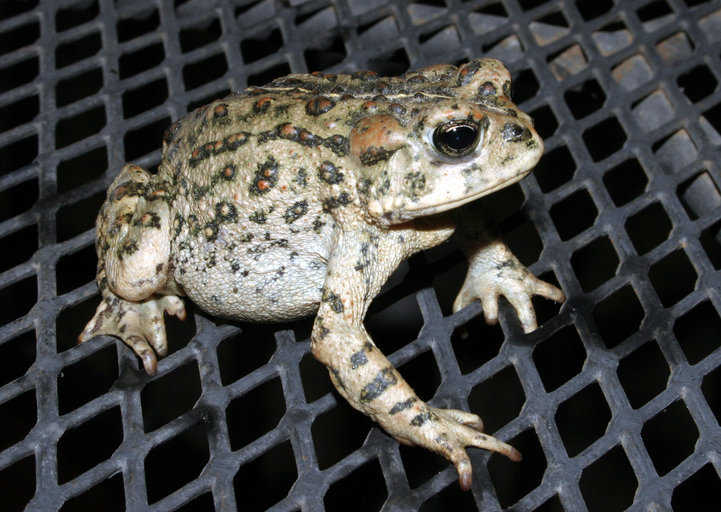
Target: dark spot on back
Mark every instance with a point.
(319, 105)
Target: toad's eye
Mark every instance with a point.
(456, 138)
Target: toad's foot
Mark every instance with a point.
(449, 432)
(139, 324)
(510, 278)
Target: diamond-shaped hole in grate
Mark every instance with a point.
(11, 9)
(18, 74)
(108, 495)
(582, 419)
(513, 481)
(81, 169)
(618, 316)
(77, 87)
(675, 264)
(604, 139)
(592, 10)
(556, 168)
(199, 35)
(525, 86)
(24, 243)
(625, 182)
(18, 113)
(559, 358)
(78, 49)
(15, 201)
(204, 71)
(574, 214)
(608, 484)
(314, 374)
(99, 437)
(133, 62)
(497, 400)
(15, 39)
(87, 379)
(595, 263)
(19, 415)
(396, 325)
(255, 413)
(422, 374)
(75, 15)
(451, 494)
(698, 83)
(270, 476)
(17, 299)
(78, 217)
(643, 374)
(16, 356)
(648, 228)
(585, 98)
(202, 503)
(655, 15)
(365, 484)
(421, 466)
(545, 122)
(169, 396)
(145, 139)
(137, 25)
(76, 269)
(475, 343)
(17, 154)
(326, 56)
(524, 241)
(240, 354)
(256, 48)
(136, 101)
(338, 432)
(670, 437)
(79, 127)
(20, 477)
(176, 462)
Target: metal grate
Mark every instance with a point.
(614, 401)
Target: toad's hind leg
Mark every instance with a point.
(133, 247)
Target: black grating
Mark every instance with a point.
(614, 401)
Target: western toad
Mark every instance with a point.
(301, 197)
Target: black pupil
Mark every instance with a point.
(457, 138)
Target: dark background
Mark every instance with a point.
(614, 402)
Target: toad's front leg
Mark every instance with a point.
(493, 270)
(361, 373)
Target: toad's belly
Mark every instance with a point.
(264, 281)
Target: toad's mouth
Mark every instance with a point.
(449, 203)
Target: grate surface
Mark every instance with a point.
(614, 401)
